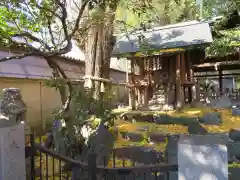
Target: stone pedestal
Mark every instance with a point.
(201, 157)
(12, 152)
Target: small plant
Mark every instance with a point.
(84, 117)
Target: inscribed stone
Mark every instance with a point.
(12, 157)
(202, 158)
(223, 102)
(213, 118)
(235, 111)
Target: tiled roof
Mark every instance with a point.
(33, 67)
(172, 36)
(77, 54)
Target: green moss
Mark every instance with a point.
(234, 165)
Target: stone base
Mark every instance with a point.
(12, 157)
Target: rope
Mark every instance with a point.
(96, 78)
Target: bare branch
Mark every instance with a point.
(31, 37)
(20, 56)
(51, 32)
(63, 19)
(66, 104)
(49, 10)
(80, 13)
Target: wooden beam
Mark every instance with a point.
(217, 75)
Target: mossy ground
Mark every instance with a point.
(229, 122)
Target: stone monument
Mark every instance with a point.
(201, 157)
(12, 135)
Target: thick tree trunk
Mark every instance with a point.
(109, 39)
(90, 50)
(98, 62)
(99, 46)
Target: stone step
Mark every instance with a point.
(138, 137)
(156, 102)
(158, 96)
(145, 155)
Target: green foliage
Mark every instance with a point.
(84, 106)
(227, 30)
(56, 83)
(229, 43)
(159, 12)
(84, 110)
(219, 7)
(24, 16)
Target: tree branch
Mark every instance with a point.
(31, 37)
(51, 32)
(63, 21)
(80, 13)
(18, 56)
(66, 104)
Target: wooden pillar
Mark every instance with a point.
(220, 81)
(141, 75)
(183, 69)
(189, 77)
(133, 101)
(183, 76)
(170, 74)
(178, 82)
(127, 81)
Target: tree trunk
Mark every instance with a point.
(99, 46)
(109, 39)
(98, 62)
(90, 50)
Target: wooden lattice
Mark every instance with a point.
(157, 64)
(146, 64)
(153, 64)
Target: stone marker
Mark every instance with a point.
(200, 157)
(235, 111)
(12, 157)
(157, 137)
(233, 151)
(100, 142)
(234, 134)
(213, 118)
(196, 128)
(223, 102)
(14, 129)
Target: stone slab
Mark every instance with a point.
(12, 153)
(202, 158)
(180, 144)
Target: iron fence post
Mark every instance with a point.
(92, 167)
(33, 150)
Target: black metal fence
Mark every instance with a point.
(46, 164)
